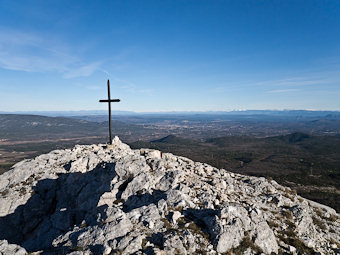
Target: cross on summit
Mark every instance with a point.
(109, 101)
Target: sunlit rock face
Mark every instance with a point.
(109, 199)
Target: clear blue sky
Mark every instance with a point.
(170, 55)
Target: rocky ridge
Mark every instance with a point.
(109, 199)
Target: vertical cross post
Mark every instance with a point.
(109, 98)
(109, 101)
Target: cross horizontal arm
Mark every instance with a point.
(107, 101)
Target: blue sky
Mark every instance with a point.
(170, 55)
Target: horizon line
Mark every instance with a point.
(167, 112)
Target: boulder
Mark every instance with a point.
(108, 199)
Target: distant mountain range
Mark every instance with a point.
(68, 113)
(309, 113)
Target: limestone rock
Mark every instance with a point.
(6, 249)
(109, 199)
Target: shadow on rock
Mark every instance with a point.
(56, 205)
(203, 219)
(139, 200)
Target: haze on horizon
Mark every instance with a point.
(170, 55)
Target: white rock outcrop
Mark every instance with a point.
(109, 199)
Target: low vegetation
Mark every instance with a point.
(289, 237)
(246, 243)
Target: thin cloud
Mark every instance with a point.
(126, 85)
(94, 87)
(30, 52)
(104, 71)
(82, 71)
(284, 85)
(133, 89)
(146, 91)
(282, 90)
(295, 81)
(301, 82)
(12, 37)
(129, 86)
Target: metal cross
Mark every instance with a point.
(109, 101)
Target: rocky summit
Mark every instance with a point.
(110, 199)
